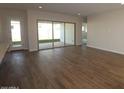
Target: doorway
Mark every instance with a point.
(53, 34)
(16, 34)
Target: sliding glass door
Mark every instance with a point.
(45, 34)
(69, 34)
(58, 34)
(55, 34)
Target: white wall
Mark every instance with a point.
(7, 15)
(106, 31)
(33, 15)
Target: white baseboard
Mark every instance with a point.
(113, 51)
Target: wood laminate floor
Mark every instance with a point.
(69, 67)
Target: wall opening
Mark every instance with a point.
(53, 34)
(16, 33)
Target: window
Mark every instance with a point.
(16, 33)
(82, 28)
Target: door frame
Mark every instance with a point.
(53, 34)
(22, 33)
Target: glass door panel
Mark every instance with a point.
(69, 34)
(58, 34)
(45, 34)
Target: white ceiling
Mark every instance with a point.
(84, 9)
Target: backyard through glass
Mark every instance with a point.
(15, 33)
(55, 34)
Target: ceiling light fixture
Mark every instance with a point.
(40, 7)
